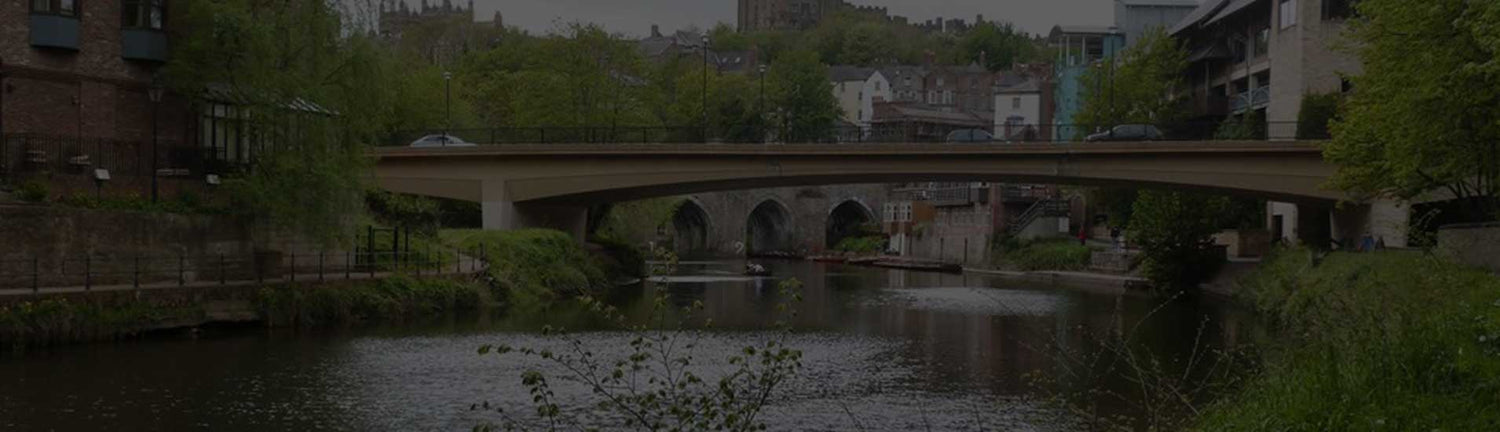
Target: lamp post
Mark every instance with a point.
(705, 87)
(760, 124)
(154, 92)
(447, 105)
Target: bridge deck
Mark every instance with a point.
(865, 149)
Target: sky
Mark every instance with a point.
(635, 17)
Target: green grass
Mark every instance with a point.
(862, 245)
(61, 321)
(534, 266)
(1043, 255)
(1384, 341)
(389, 299)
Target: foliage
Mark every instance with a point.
(1318, 110)
(638, 222)
(862, 245)
(184, 202)
(1425, 115)
(1001, 45)
(1175, 232)
(1248, 126)
(33, 191)
(1371, 341)
(534, 267)
(57, 320)
(658, 386)
(1136, 87)
(392, 298)
(1062, 255)
(803, 97)
(308, 167)
(417, 213)
(1117, 202)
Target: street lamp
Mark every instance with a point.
(154, 92)
(761, 106)
(447, 105)
(705, 87)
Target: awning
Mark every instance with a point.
(1214, 51)
(1233, 8)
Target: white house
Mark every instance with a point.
(1018, 111)
(857, 89)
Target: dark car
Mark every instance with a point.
(970, 136)
(1130, 132)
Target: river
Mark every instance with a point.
(883, 350)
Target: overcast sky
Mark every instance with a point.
(635, 17)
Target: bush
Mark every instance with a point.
(1317, 111)
(1175, 232)
(862, 245)
(417, 213)
(1374, 341)
(33, 191)
(534, 266)
(393, 298)
(1060, 255)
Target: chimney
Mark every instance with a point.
(655, 31)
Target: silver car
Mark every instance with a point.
(440, 140)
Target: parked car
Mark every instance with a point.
(1129, 132)
(440, 140)
(970, 136)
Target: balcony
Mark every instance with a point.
(143, 44)
(54, 31)
(1254, 99)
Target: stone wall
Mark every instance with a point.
(809, 208)
(1472, 244)
(61, 241)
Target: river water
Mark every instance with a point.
(883, 350)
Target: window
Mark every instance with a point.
(1288, 13)
(1338, 9)
(1015, 103)
(144, 14)
(1262, 42)
(55, 7)
(940, 81)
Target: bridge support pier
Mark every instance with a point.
(498, 212)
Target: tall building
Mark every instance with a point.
(1078, 49)
(439, 31)
(1135, 17)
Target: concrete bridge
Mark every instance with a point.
(553, 185)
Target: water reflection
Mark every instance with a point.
(884, 350)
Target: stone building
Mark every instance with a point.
(756, 15)
(440, 33)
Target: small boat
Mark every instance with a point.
(753, 269)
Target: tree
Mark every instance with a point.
(800, 98)
(1175, 232)
(1001, 46)
(1136, 87)
(1425, 115)
(308, 163)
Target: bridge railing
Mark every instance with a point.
(900, 132)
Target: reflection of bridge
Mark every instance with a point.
(553, 185)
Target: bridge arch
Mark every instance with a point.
(769, 228)
(848, 218)
(691, 226)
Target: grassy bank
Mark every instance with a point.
(535, 266)
(1384, 341)
(394, 299)
(59, 320)
(1043, 255)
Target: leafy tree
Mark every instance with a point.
(1175, 232)
(1425, 115)
(801, 98)
(1001, 44)
(1317, 111)
(1136, 87)
(308, 163)
(1249, 126)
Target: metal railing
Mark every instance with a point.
(22, 154)
(908, 132)
(1043, 208)
(89, 272)
(1255, 98)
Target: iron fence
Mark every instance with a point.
(89, 272)
(885, 132)
(24, 154)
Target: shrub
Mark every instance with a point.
(862, 245)
(534, 266)
(1064, 255)
(393, 298)
(1373, 341)
(1317, 111)
(33, 191)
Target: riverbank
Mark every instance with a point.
(1372, 341)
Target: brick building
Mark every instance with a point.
(74, 91)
